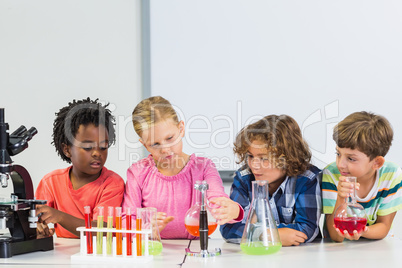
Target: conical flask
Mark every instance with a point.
(350, 215)
(192, 217)
(260, 235)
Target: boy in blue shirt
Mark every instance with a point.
(273, 149)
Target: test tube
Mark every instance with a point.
(87, 210)
(138, 227)
(119, 241)
(99, 235)
(129, 235)
(109, 235)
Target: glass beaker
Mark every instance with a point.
(350, 215)
(192, 217)
(260, 235)
(149, 222)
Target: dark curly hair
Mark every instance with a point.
(283, 140)
(76, 113)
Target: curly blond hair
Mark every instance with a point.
(283, 139)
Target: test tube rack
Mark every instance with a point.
(83, 257)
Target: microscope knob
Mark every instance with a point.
(32, 221)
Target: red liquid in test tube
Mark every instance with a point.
(87, 210)
(129, 235)
(119, 241)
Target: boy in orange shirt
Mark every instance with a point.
(82, 134)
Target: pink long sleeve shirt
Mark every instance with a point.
(174, 195)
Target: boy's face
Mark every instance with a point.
(164, 141)
(89, 150)
(352, 162)
(260, 164)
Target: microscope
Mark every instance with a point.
(17, 213)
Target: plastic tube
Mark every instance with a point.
(87, 210)
(119, 241)
(99, 235)
(109, 235)
(129, 236)
(138, 227)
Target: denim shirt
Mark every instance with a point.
(296, 204)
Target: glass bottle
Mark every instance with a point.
(260, 235)
(350, 215)
(148, 221)
(192, 217)
(199, 222)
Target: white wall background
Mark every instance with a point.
(226, 62)
(219, 61)
(52, 52)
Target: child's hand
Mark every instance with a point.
(355, 236)
(345, 188)
(291, 237)
(48, 215)
(163, 220)
(42, 230)
(226, 211)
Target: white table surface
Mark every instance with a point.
(365, 253)
(357, 254)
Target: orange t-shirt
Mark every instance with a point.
(56, 188)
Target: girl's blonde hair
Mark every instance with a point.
(151, 111)
(283, 140)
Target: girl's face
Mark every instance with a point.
(164, 142)
(88, 151)
(260, 164)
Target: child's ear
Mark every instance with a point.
(143, 143)
(181, 127)
(66, 150)
(378, 162)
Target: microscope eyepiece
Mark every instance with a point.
(14, 143)
(19, 131)
(32, 132)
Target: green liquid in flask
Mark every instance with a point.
(154, 248)
(257, 248)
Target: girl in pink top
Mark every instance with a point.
(165, 179)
